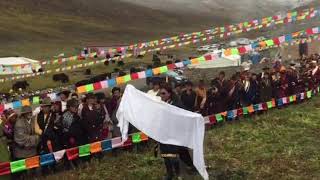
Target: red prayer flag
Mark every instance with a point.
(242, 50)
(212, 119)
(128, 142)
(244, 29)
(208, 57)
(5, 168)
(97, 86)
(240, 112)
(309, 31)
(72, 153)
(134, 76)
(264, 106)
(171, 66)
(276, 41)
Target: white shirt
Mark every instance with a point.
(36, 111)
(153, 93)
(63, 105)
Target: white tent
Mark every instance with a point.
(221, 61)
(18, 65)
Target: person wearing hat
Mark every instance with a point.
(265, 88)
(264, 71)
(64, 96)
(72, 131)
(45, 123)
(92, 118)
(25, 138)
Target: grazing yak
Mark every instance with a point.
(60, 77)
(20, 84)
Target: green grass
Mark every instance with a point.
(280, 144)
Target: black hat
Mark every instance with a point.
(100, 95)
(292, 63)
(265, 68)
(25, 110)
(72, 103)
(46, 102)
(65, 92)
(90, 96)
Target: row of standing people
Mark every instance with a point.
(246, 88)
(58, 125)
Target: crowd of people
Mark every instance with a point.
(74, 120)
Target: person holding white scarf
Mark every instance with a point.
(174, 128)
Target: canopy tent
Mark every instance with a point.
(221, 61)
(18, 65)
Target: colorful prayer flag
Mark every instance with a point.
(89, 88)
(136, 138)
(17, 166)
(84, 150)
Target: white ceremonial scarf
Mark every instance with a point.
(163, 122)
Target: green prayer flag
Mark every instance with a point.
(245, 24)
(309, 94)
(219, 117)
(17, 166)
(291, 99)
(222, 29)
(269, 42)
(163, 69)
(295, 13)
(269, 104)
(201, 59)
(136, 138)
(245, 111)
(36, 100)
(84, 150)
(89, 87)
(127, 78)
(234, 51)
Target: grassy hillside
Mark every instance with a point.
(43, 28)
(280, 144)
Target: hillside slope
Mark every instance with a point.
(29, 26)
(43, 28)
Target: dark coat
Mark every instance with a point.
(250, 95)
(214, 104)
(92, 122)
(265, 89)
(233, 97)
(188, 100)
(73, 134)
(49, 132)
